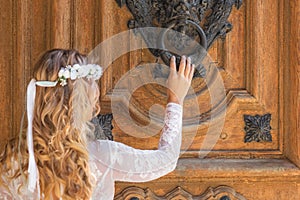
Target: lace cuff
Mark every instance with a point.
(173, 125)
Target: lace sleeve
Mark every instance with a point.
(129, 164)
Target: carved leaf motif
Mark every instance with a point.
(103, 127)
(258, 128)
(199, 20)
(149, 13)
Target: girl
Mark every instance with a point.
(58, 159)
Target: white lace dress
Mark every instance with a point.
(112, 161)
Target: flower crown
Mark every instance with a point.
(90, 71)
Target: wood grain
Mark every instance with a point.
(61, 16)
(249, 67)
(292, 84)
(6, 60)
(259, 63)
(235, 52)
(254, 179)
(84, 25)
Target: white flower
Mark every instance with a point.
(76, 66)
(82, 72)
(73, 74)
(76, 71)
(66, 74)
(99, 72)
(61, 72)
(93, 69)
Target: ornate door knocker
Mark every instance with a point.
(200, 20)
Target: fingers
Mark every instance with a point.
(173, 64)
(182, 65)
(191, 74)
(178, 83)
(187, 67)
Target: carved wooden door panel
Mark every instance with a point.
(242, 145)
(242, 157)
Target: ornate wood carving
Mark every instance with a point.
(199, 20)
(103, 127)
(258, 128)
(218, 193)
(248, 74)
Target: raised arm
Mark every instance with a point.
(129, 164)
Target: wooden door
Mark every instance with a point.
(259, 65)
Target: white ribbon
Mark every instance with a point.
(33, 177)
(46, 83)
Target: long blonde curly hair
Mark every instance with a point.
(59, 144)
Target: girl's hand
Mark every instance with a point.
(179, 82)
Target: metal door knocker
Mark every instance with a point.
(200, 20)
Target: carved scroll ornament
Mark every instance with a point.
(200, 20)
(218, 193)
